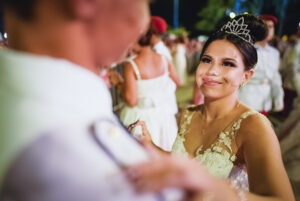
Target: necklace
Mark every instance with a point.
(204, 127)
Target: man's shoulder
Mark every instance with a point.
(72, 163)
(273, 50)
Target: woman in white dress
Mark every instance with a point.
(149, 92)
(229, 140)
(179, 59)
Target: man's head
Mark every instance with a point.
(158, 26)
(270, 20)
(99, 29)
(124, 21)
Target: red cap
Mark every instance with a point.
(269, 17)
(159, 23)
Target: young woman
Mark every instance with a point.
(149, 86)
(229, 139)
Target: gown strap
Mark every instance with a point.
(237, 124)
(136, 69)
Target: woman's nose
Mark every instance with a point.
(213, 70)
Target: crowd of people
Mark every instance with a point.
(60, 138)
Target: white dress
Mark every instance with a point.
(180, 63)
(220, 158)
(162, 49)
(156, 106)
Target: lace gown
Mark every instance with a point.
(220, 157)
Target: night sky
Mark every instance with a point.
(189, 9)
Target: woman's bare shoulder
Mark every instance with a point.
(252, 117)
(256, 127)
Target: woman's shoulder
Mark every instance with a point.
(252, 117)
(255, 125)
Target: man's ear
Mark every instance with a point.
(81, 9)
(247, 75)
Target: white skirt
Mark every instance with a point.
(161, 124)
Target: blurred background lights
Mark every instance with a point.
(232, 15)
(5, 35)
(284, 37)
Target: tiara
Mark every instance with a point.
(238, 28)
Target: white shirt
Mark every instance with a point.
(47, 108)
(264, 91)
(41, 93)
(290, 67)
(162, 49)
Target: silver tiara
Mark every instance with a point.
(238, 28)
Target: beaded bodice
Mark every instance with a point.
(219, 158)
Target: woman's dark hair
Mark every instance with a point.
(180, 39)
(258, 32)
(145, 40)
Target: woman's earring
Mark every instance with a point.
(242, 84)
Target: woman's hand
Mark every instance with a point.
(144, 137)
(170, 171)
(114, 77)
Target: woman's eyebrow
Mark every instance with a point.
(230, 59)
(205, 55)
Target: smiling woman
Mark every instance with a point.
(226, 137)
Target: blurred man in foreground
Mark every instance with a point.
(48, 83)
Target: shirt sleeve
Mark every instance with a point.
(55, 168)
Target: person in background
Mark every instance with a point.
(148, 89)
(59, 139)
(179, 57)
(289, 69)
(264, 91)
(289, 131)
(159, 25)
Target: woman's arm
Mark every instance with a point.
(128, 88)
(179, 172)
(173, 74)
(268, 179)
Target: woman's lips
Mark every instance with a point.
(210, 82)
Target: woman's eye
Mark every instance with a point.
(205, 60)
(230, 64)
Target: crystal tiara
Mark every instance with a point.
(238, 28)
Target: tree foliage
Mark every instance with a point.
(213, 13)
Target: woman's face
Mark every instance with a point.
(221, 70)
(271, 29)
